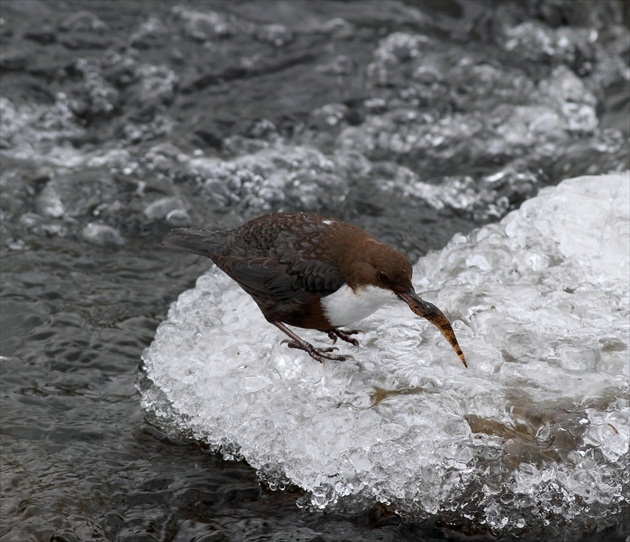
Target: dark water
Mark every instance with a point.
(122, 119)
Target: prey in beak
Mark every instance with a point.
(435, 316)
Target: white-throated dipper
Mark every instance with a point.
(312, 271)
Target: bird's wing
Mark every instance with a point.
(266, 277)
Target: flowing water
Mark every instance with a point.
(429, 124)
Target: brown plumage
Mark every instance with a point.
(312, 271)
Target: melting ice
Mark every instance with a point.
(534, 434)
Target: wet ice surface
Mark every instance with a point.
(532, 440)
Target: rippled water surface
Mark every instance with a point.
(417, 120)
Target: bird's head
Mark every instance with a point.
(389, 269)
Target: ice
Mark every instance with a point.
(102, 235)
(28, 127)
(205, 26)
(535, 435)
(163, 207)
(208, 26)
(301, 177)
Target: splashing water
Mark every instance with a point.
(533, 437)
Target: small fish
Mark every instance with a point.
(434, 315)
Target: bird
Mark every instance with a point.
(312, 271)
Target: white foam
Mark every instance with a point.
(536, 431)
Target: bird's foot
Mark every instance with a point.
(344, 335)
(320, 354)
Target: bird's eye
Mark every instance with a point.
(384, 277)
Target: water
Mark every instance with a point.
(420, 122)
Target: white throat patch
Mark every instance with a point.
(347, 306)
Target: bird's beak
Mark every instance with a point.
(435, 316)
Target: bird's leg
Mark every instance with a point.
(344, 335)
(296, 342)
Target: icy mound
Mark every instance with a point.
(535, 433)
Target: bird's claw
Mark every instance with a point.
(344, 335)
(321, 354)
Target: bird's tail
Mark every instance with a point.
(204, 243)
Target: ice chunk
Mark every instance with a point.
(102, 235)
(534, 434)
(162, 207)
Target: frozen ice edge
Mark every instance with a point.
(537, 428)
